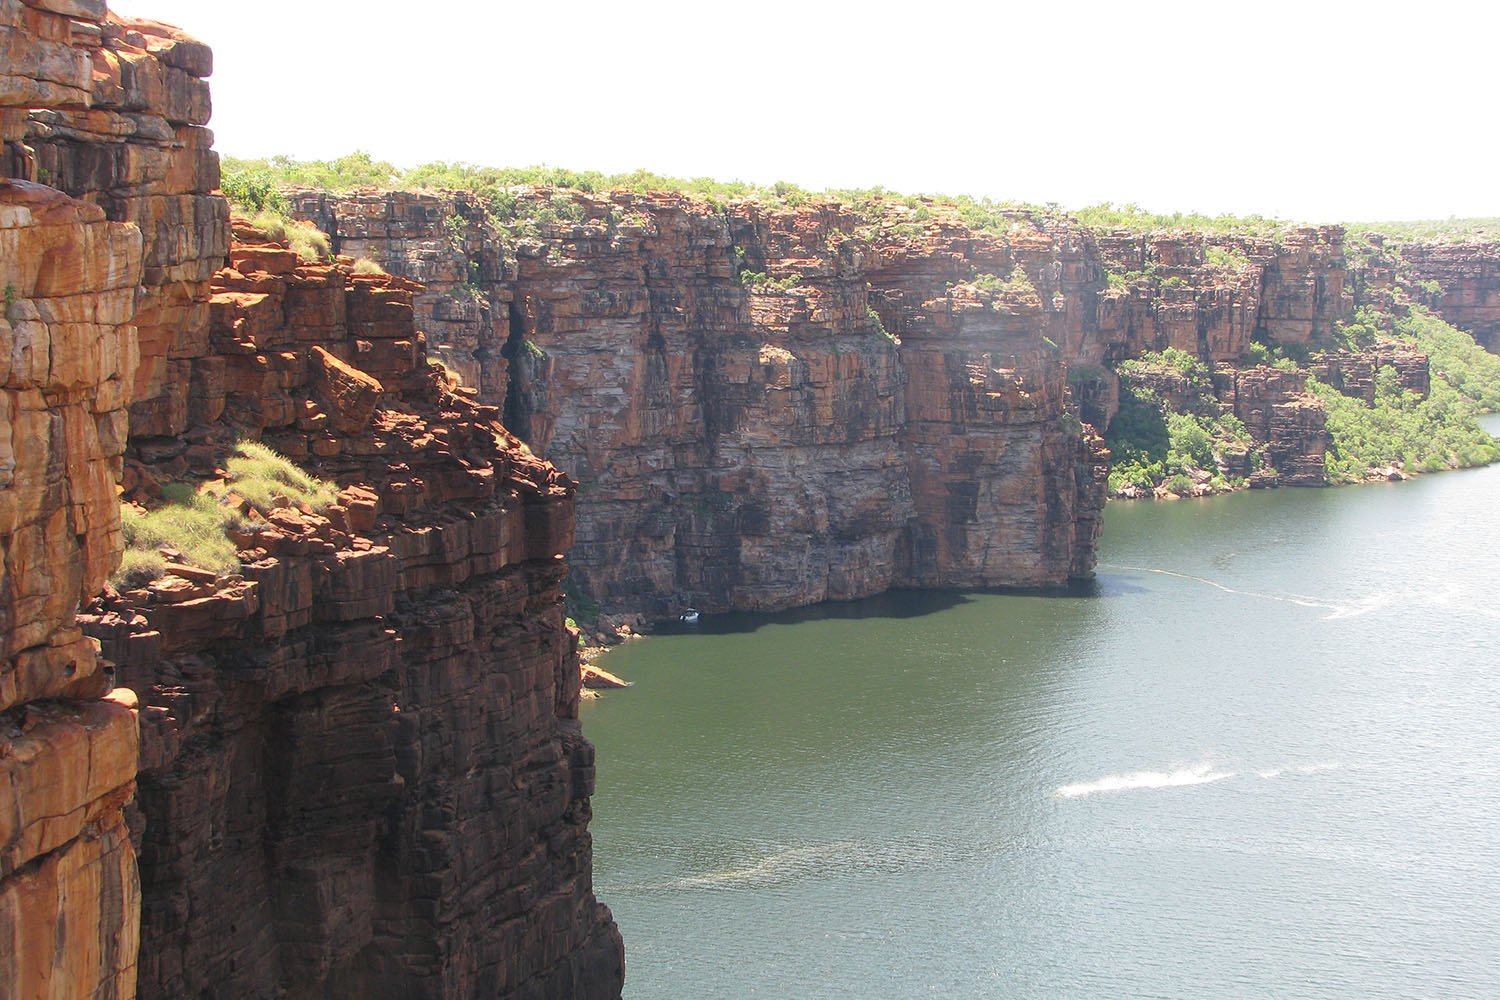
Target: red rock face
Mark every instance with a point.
(437, 240)
(1305, 295)
(1353, 372)
(1170, 294)
(1278, 411)
(137, 147)
(744, 441)
(360, 767)
(747, 430)
(367, 750)
(69, 896)
(1468, 278)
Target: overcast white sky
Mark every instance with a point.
(1310, 110)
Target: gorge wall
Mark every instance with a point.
(362, 771)
(1463, 284)
(769, 406)
(765, 408)
(352, 768)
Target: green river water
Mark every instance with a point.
(1258, 757)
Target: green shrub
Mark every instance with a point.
(1106, 215)
(1362, 331)
(762, 281)
(1180, 484)
(355, 170)
(253, 191)
(1454, 356)
(1400, 429)
(1171, 359)
(1257, 354)
(367, 266)
(1151, 443)
(1433, 230)
(1226, 258)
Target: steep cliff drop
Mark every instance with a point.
(766, 407)
(362, 771)
(69, 896)
(1462, 284)
(360, 767)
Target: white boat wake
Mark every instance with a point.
(1297, 599)
(1197, 774)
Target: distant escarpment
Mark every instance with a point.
(1459, 281)
(773, 401)
(767, 407)
(776, 404)
(318, 737)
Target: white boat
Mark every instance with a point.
(689, 617)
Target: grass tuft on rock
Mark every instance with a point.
(309, 242)
(195, 521)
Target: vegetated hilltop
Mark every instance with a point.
(677, 344)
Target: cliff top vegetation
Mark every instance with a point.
(1433, 230)
(256, 183)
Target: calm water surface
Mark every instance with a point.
(1259, 758)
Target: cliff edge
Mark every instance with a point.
(345, 764)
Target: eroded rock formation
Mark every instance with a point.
(771, 407)
(362, 770)
(69, 899)
(716, 379)
(358, 763)
(69, 896)
(1467, 277)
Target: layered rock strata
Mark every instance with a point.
(362, 771)
(1467, 284)
(69, 898)
(1353, 372)
(770, 408)
(125, 131)
(437, 239)
(69, 894)
(715, 379)
(1276, 408)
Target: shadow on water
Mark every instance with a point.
(893, 604)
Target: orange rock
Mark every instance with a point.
(347, 394)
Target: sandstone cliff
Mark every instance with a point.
(772, 406)
(362, 771)
(765, 407)
(69, 898)
(357, 763)
(69, 895)
(1463, 284)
